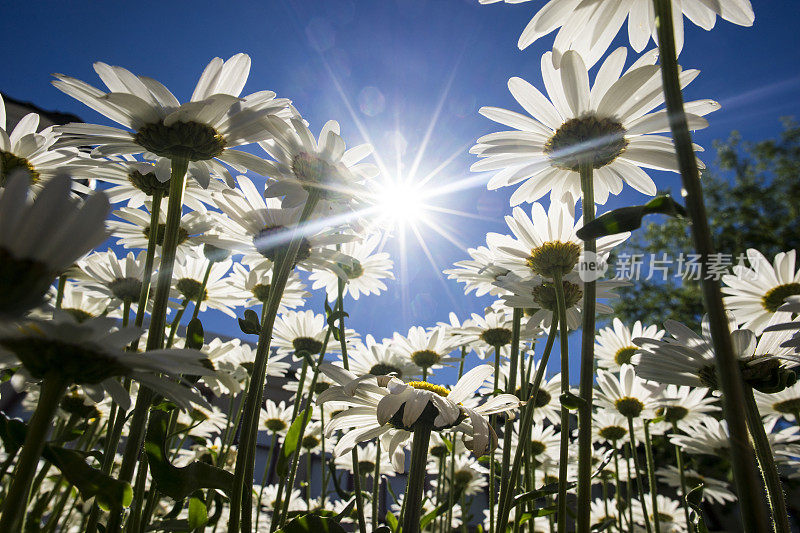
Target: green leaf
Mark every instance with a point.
(602, 526)
(198, 514)
(290, 441)
(250, 324)
(194, 334)
(694, 499)
(425, 520)
(179, 483)
(312, 523)
(392, 520)
(571, 401)
(109, 493)
(630, 218)
(12, 431)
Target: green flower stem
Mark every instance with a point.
(15, 502)
(424, 373)
(651, 474)
(618, 487)
(58, 509)
(464, 513)
(298, 400)
(149, 261)
(564, 449)
(308, 481)
(324, 475)
(639, 486)
(755, 515)
(507, 489)
(286, 482)
(155, 336)
(586, 390)
(362, 523)
(62, 283)
(679, 463)
(439, 492)
(629, 487)
(511, 387)
(242, 496)
(492, 423)
(451, 493)
(766, 461)
(202, 295)
(376, 484)
(416, 477)
(176, 321)
(272, 446)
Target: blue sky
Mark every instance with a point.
(393, 72)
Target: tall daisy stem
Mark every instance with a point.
(265, 477)
(242, 496)
(507, 489)
(155, 335)
(376, 484)
(511, 387)
(618, 487)
(201, 294)
(766, 461)
(638, 472)
(416, 477)
(587, 363)
(651, 474)
(681, 471)
(564, 449)
(16, 500)
(755, 516)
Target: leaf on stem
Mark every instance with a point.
(630, 218)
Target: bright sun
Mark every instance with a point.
(399, 203)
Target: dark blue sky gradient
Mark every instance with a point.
(382, 69)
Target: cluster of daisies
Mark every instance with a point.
(115, 242)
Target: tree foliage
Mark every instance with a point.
(752, 195)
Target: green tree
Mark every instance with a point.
(752, 195)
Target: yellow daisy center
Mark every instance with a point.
(424, 385)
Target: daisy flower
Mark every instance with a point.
(754, 294)
(544, 444)
(250, 287)
(426, 349)
(367, 457)
(270, 496)
(610, 427)
(40, 239)
(245, 354)
(302, 164)
(609, 127)
(671, 517)
(686, 405)
(31, 153)
(133, 231)
(79, 302)
(383, 403)
(492, 329)
(191, 271)
(202, 131)
(688, 359)
(783, 404)
(106, 274)
(791, 309)
(629, 394)
(364, 270)
(304, 331)
(228, 378)
(589, 26)
(378, 359)
(480, 273)
(135, 182)
(714, 490)
(538, 297)
(261, 230)
(92, 353)
(614, 345)
(708, 436)
(548, 405)
(546, 242)
(469, 476)
(600, 512)
(275, 417)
